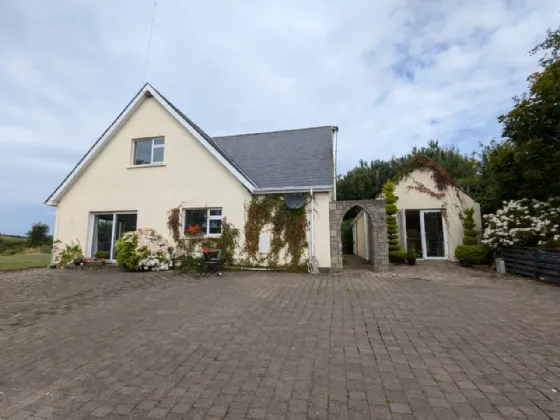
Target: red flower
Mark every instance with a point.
(206, 249)
(194, 229)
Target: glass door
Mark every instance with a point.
(434, 234)
(107, 229)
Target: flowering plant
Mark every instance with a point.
(524, 222)
(193, 230)
(144, 249)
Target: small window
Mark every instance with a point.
(208, 220)
(148, 151)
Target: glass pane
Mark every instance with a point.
(102, 230)
(215, 212)
(158, 154)
(215, 227)
(195, 218)
(158, 142)
(143, 152)
(435, 245)
(413, 236)
(125, 223)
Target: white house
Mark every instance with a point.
(153, 158)
(429, 218)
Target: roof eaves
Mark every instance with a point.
(50, 202)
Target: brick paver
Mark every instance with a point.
(428, 342)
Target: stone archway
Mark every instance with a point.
(379, 243)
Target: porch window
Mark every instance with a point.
(148, 151)
(209, 220)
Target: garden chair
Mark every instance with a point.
(213, 261)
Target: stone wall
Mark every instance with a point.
(379, 244)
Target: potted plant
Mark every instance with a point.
(411, 255)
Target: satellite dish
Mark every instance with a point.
(295, 201)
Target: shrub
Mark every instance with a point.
(68, 253)
(524, 222)
(476, 254)
(144, 250)
(395, 252)
(411, 253)
(102, 255)
(10, 245)
(191, 264)
(470, 250)
(469, 228)
(397, 256)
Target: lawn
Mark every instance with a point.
(13, 262)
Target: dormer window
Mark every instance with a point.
(148, 151)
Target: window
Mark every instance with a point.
(148, 151)
(209, 220)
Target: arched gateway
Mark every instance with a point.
(379, 248)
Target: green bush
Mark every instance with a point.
(476, 254)
(144, 249)
(102, 255)
(470, 250)
(69, 253)
(190, 264)
(392, 226)
(128, 254)
(397, 256)
(412, 253)
(11, 245)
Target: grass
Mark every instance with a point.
(14, 262)
(13, 240)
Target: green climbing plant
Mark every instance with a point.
(288, 229)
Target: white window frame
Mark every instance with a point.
(423, 236)
(113, 228)
(208, 218)
(154, 146)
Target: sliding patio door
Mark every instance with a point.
(107, 229)
(433, 234)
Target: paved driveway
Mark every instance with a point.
(433, 341)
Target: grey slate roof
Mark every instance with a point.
(291, 158)
(205, 136)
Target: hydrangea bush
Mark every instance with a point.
(524, 222)
(144, 250)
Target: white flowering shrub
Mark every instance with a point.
(524, 222)
(144, 250)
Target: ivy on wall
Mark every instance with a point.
(419, 186)
(288, 230)
(190, 243)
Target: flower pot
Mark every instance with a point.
(465, 263)
(411, 261)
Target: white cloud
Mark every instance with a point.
(389, 74)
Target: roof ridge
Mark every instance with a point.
(275, 131)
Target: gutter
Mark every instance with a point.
(280, 190)
(312, 226)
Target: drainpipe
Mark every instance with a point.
(335, 150)
(312, 226)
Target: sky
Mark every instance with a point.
(390, 74)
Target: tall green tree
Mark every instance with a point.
(366, 180)
(527, 164)
(38, 235)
